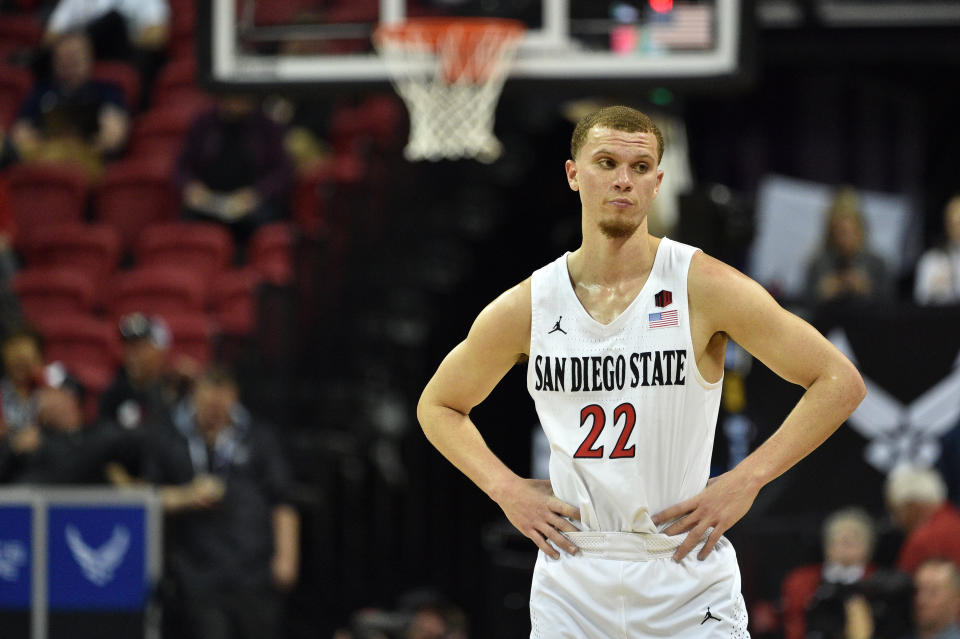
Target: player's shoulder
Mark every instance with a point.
(505, 322)
(722, 292)
(511, 305)
(710, 275)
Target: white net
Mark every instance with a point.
(450, 76)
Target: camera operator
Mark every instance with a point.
(936, 605)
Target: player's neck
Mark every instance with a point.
(605, 260)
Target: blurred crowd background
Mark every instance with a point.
(237, 298)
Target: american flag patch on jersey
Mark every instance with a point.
(664, 318)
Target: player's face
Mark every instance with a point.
(617, 176)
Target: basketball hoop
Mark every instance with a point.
(450, 72)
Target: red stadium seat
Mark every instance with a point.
(234, 299)
(312, 192)
(158, 290)
(160, 132)
(46, 194)
(176, 84)
(132, 195)
(193, 335)
(376, 123)
(52, 291)
(90, 249)
(15, 83)
(182, 27)
(204, 248)
(124, 76)
(270, 252)
(19, 33)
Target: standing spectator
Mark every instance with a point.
(233, 167)
(10, 313)
(846, 270)
(22, 353)
(116, 27)
(938, 271)
(135, 31)
(917, 501)
(73, 117)
(848, 538)
(139, 392)
(233, 535)
(62, 448)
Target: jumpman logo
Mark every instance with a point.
(556, 327)
(709, 616)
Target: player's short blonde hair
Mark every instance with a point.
(618, 118)
(911, 483)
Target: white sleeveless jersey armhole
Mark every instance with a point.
(629, 418)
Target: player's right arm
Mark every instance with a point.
(498, 339)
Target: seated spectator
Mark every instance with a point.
(917, 501)
(233, 168)
(938, 271)
(936, 605)
(72, 118)
(233, 536)
(848, 538)
(141, 391)
(22, 354)
(61, 448)
(10, 312)
(134, 31)
(846, 270)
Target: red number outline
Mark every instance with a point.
(627, 410)
(620, 451)
(586, 450)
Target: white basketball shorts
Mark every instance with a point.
(627, 586)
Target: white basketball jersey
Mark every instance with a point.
(629, 418)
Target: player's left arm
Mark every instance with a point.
(724, 301)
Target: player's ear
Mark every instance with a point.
(656, 189)
(571, 169)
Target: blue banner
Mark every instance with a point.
(16, 584)
(97, 557)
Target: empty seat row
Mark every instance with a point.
(159, 290)
(206, 249)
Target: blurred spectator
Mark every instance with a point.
(421, 614)
(938, 271)
(233, 167)
(22, 353)
(233, 536)
(135, 31)
(936, 605)
(140, 392)
(10, 313)
(72, 118)
(116, 27)
(61, 448)
(848, 538)
(846, 270)
(917, 501)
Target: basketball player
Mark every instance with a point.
(624, 340)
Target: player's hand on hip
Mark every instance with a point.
(720, 505)
(532, 508)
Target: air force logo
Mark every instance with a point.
(903, 433)
(13, 555)
(99, 564)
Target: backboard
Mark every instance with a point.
(327, 42)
